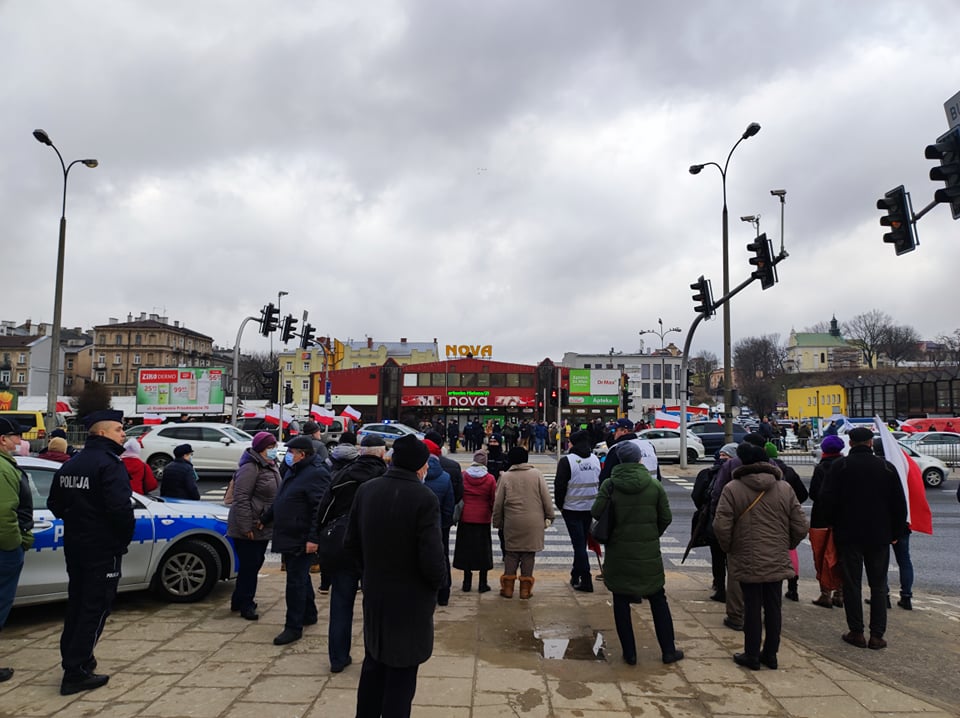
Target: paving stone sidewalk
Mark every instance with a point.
(173, 661)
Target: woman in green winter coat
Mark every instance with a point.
(633, 568)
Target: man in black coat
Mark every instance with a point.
(394, 528)
(291, 514)
(863, 500)
(343, 571)
(91, 493)
(179, 478)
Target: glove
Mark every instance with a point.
(547, 523)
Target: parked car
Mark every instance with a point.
(933, 470)
(711, 434)
(179, 550)
(945, 445)
(139, 430)
(216, 447)
(331, 434)
(666, 442)
(388, 431)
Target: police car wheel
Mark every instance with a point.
(157, 464)
(188, 572)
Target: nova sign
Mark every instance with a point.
(469, 350)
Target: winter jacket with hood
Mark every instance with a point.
(479, 492)
(438, 481)
(757, 531)
(641, 513)
(255, 486)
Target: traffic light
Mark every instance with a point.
(627, 397)
(554, 397)
(306, 336)
(269, 319)
(288, 394)
(703, 297)
(765, 270)
(272, 379)
(901, 234)
(289, 329)
(564, 397)
(947, 150)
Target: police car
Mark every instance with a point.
(389, 431)
(179, 547)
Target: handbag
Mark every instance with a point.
(601, 527)
(457, 511)
(330, 552)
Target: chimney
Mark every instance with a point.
(129, 317)
(112, 320)
(26, 326)
(403, 340)
(176, 323)
(154, 317)
(143, 316)
(163, 320)
(369, 342)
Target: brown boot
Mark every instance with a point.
(526, 586)
(506, 585)
(824, 600)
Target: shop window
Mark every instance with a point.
(498, 380)
(513, 380)
(453, 378)
(526, 380)
(468, 379)
(438, 378)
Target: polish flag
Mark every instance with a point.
(272, 416)
(152, 418)
(351, 413)
(663, 420)
(918, 510)
(322, 415)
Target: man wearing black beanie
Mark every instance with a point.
(394, 531)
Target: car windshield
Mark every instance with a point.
(236, 434)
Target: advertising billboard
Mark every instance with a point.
(180, 390)
(597, 382)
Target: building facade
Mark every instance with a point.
(809, 352)
(121, 349)
(25, 364)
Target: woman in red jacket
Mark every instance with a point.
(142, 480)
(474, 550)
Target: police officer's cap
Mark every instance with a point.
(103, 415)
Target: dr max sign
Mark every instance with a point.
(478, 351)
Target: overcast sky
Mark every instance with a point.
(505, 173)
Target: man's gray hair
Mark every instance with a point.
(373, 451)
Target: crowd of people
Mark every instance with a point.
(382, 520)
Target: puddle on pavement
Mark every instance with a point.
(555, 645)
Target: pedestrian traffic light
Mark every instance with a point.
(554, 397)
(269, 319)
(289, 329)
(765, 271)
(947, 150)
(703, 298)
(272, 382)
(564, 397)
(306, 336)
(627, 397)
(288, 394)
(902, 234)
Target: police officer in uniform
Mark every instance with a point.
(91, 493)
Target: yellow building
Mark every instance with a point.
(822, 401)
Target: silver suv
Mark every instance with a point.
(216, 447)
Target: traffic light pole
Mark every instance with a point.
(236, 371)
(685, 359)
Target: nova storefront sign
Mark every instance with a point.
(464, 351)
(183, 390)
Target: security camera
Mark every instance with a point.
(778, 192)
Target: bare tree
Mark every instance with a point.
(818, 328)
(901, 344)
(759, 364)
(950, 351)
(93, 397)
(868, 332)
(702, 366)
(253, 383)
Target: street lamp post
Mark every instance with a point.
(53, 388)
(280, 387)
(661, 333)
(752, 129)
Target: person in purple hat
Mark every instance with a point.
(91, 493)
(255, 486)
(827, 576)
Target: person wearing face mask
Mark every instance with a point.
(179, 479)
(255, 486)
(394, 532)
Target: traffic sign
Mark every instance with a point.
(952, 108)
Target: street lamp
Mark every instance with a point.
(661, 333)
(752, 129)
(280, 387)
(53, 388)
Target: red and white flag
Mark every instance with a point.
(663, 420)
(918, 510)
(351, 413)
(322, 415)
(152, 418)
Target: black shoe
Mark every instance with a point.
(730, 623)
(86, 682)
(289, 635)
(483, 588)
(630, 660)
(250, 614)
(742, 659)
(236, 608)
(669, 658)
(584, 585)
(719, 597)
(91, 665)
(792, 595)
(5, 674)
(905, 604)
(310, 621)
(465, 587)
(769, 661)
(339, 668)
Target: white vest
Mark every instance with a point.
(648, 455)
(584, 482)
